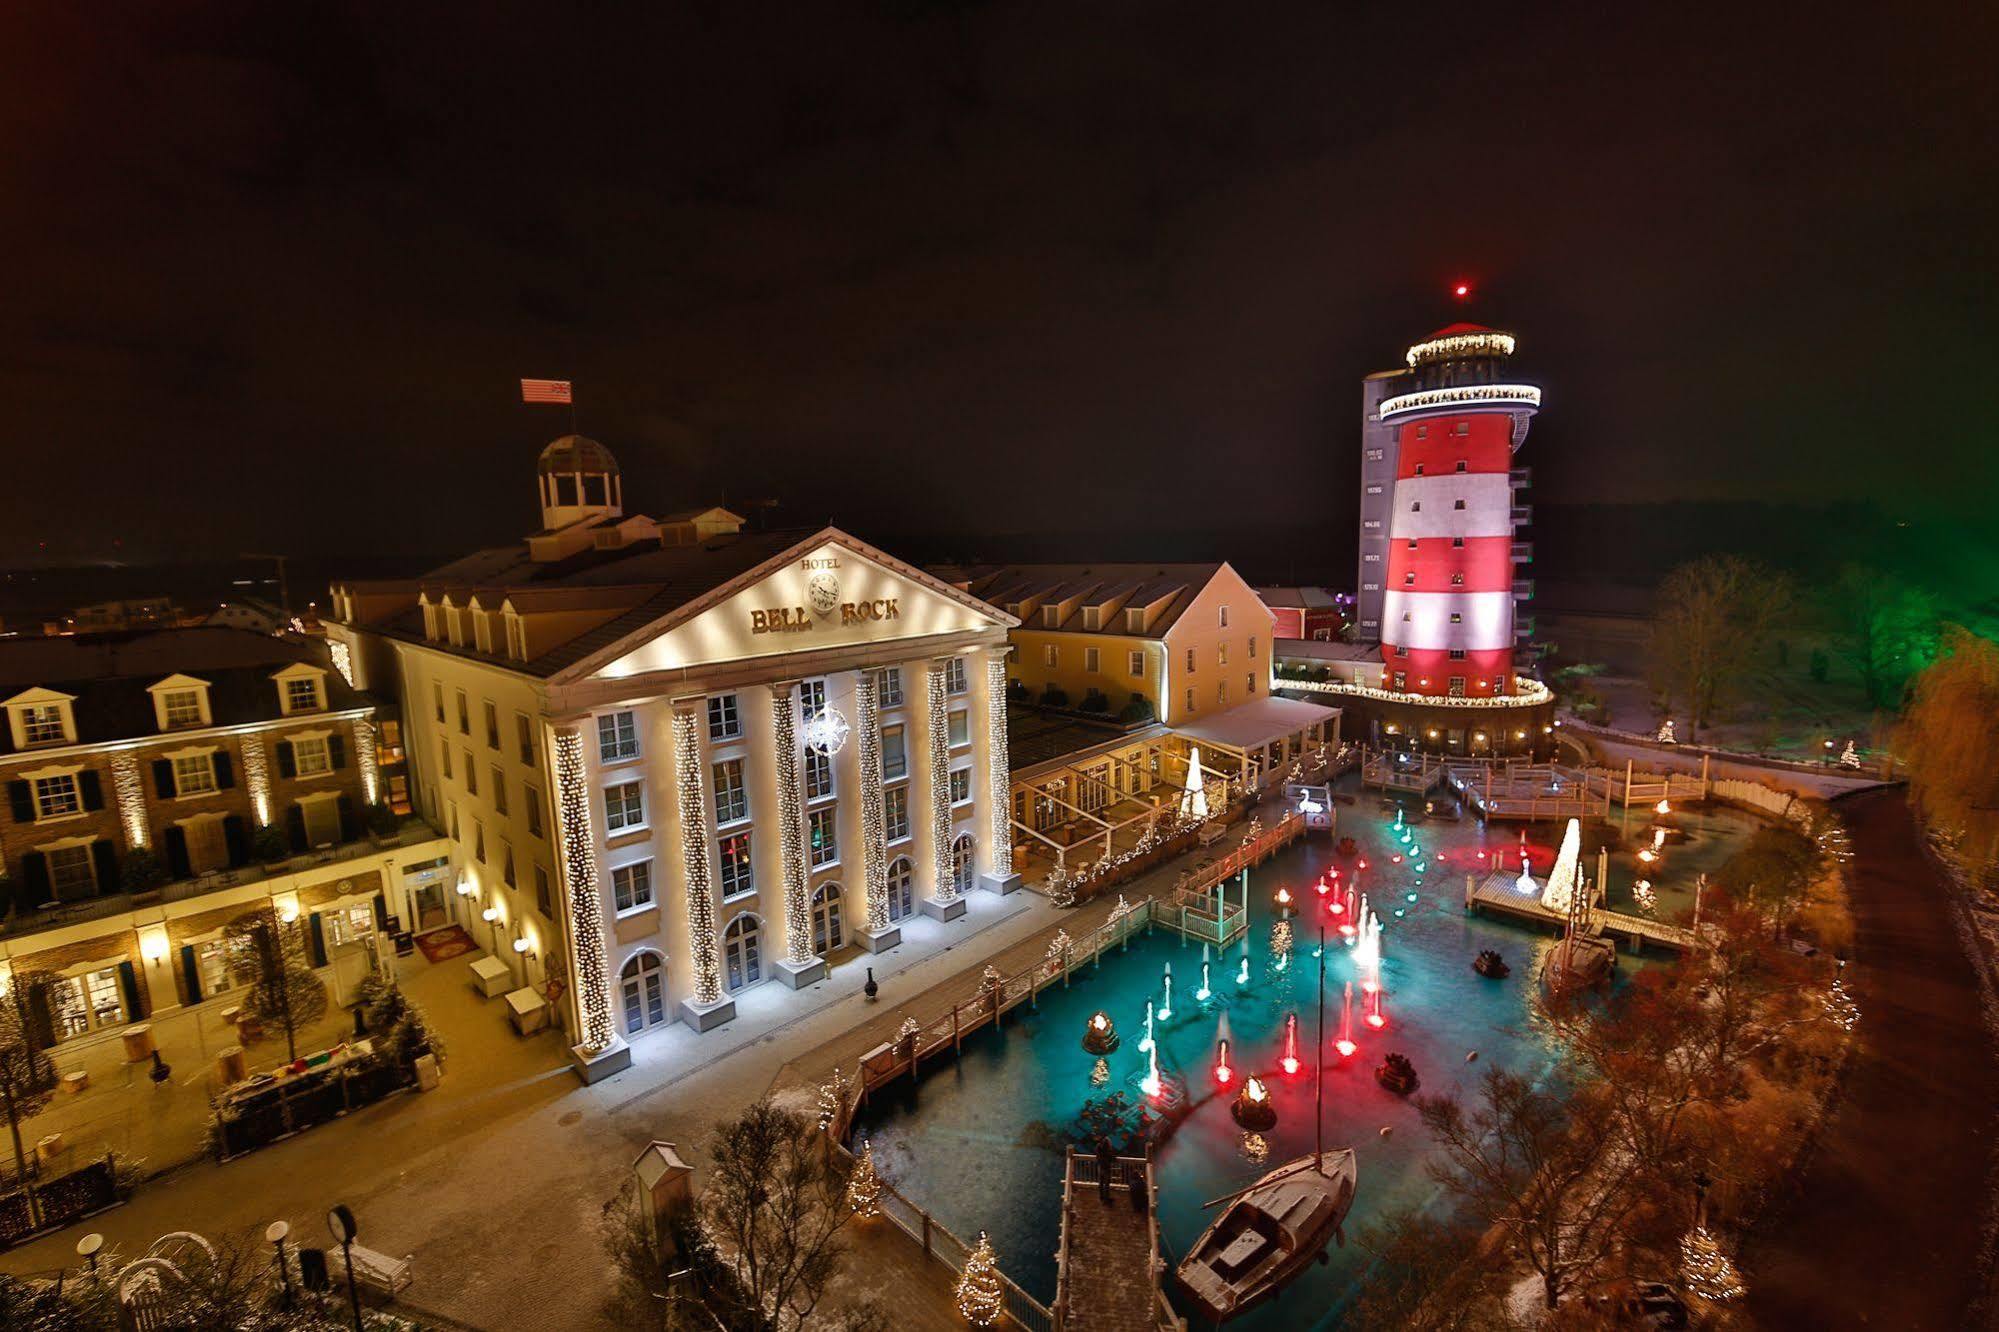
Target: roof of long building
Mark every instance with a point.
(1115, 585)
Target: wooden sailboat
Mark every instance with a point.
(1583, 959)
(1269, 1232)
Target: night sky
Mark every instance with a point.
(1103, 274)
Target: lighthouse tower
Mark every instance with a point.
(1446, 566)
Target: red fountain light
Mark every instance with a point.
(1223, 1073)
(1290, 1060)
(1374, 1017)
(1345, 1044)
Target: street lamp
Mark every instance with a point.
(274, 1235)
(340, 1224)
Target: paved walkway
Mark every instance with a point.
(1887, 1229)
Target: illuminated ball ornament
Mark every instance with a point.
(827, 732)
(1100, 1034)
(1252, 1108)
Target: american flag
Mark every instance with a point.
(545, 390)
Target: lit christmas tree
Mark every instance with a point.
(1849, 757)
(979, 1296)
(864, 1186)
(1708, 1271)
(1666, 732)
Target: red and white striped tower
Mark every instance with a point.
(1447, 596)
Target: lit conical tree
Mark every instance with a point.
(979, 1297)
(864, 1186)
(1708, 1271)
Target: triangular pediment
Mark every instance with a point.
(175, 683)
(829, 592)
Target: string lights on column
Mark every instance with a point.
(257, 776)
(692, 786)
(131, 795)
(364, 759)
(874, 827)
(790, 826)
(940, 784)
(586, 912)
(343, 659)
(999, 790)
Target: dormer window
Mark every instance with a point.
(1134, 621)
(44, 724)
(1092, 617)
(181, 708)
(301, 688)
(429, 622)
(1050, 617)
(40, 718)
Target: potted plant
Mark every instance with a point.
(1139, 709)
(142, 871)
(383, 825)
(1054, 696)
(271, 847)
(1095, 701)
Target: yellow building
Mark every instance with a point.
(1185, 640)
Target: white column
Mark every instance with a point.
(708, 1006)
(599, 1051)
(799, 967)
(1000, 877)
(879, 934)
(944, 903)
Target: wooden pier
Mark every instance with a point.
(1417, 774)
(1110, 1247)
(1535, 791)
(1199, 906)
(1498, 895)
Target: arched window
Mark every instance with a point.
(901, 887)
(827, 931)
(643, 984)
(961, 863)
(742, 951)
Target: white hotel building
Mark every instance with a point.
(681, 759)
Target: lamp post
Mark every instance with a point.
(274, 1234)
(340, 1223)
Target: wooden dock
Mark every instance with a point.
(1110, 1247)
(1417, 774)
(1535, 791)
(1497, 895)
(1199, 906)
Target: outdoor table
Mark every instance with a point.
(231, 1064)
(139, 1043)
(528, 1010)
(491, 977)
(49, 1148)
(75, 1082)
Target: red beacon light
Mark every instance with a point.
(1462, 290)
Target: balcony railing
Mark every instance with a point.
(1523, 589)
(1523, 552)
(1521, 477)
(60, 915)
(1523, 513)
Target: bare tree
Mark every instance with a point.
(1711, 618)
(1885, 627)
(1424, 1277)
(268, 953)
(1550, 1172)
(36, 1004)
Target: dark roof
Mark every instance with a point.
(1035, 737)
(1458, 330)
(1128, 584)
(108, 677)
(576, 453)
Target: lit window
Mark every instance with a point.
(961, 785)
(182, 707)
(617, 737)
(1049, 654)
(194, 775)
(723, 723)
(895, 813)
(811, 699)
(631, 886)
(1221, 654)
(822, 838)
(624, 806)
(1457, 580)
(56, 797)
(733, 868)
(1457, 686)
(1457, 618)
(42, 724)
(1137, 665)
(954, 676)
(732, 798)
(818, 774)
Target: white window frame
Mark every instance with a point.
(72, 776)
(616, 829)
(895, 827)
(1136, 663)
(961, 779)
(740, 806)
(725, 719)
(826, 816)
(1092, 660)
(632, 902)
(197, 778)
(748, 887)
(958, 727)
(896, 771)
(88, 863)
(617, 737)
(888, 687)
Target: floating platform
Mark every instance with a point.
(1498, 895)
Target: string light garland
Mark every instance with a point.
(586, 909)
(940, 786)
(364, 759)
(343, 659)
(874, 825)
(999, 793)
(1465, 395)
(980, 1300)
(131, 793)
(1526, 693)
(1840, 1007)
(692, 788)
(1459, 345)
(257, 777)
(1709, 1273)
(790, 828)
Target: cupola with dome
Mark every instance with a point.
(578, 478)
